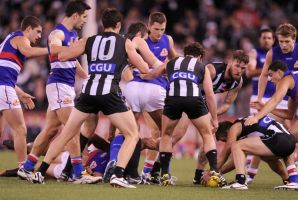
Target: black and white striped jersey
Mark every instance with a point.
(266, 128)
(219, 84)
(185, 74)
(106, 55)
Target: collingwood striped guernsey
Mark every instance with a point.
(219, 83)
(185, 74)
(107, 58)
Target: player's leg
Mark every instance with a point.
(126, 123)
(69, 131)
(151, 168)
(40, 143)
(15, 119)
(252, 169)
(239, 149)
(205, 130)
(166, 148)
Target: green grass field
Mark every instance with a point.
(262, 189)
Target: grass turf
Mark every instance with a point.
(262, 188)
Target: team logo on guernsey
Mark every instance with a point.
(102, 67)
(92, 165)
(262, 60)
(164, 52)
(184, 75)
(296, 64)
(67, 100)
(265, 121)
(14, 102)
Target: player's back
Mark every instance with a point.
(107, 57)
(184, 75)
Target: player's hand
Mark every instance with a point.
(149, 143)
(26, 99)
(205, 178)
(214, 123)
(256, 105)
(145, 76)
(250, 121)
(76, 42)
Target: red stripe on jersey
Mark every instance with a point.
(91, 155)
(296, 97)
(11, 56)
(53, 57)
(292, 171)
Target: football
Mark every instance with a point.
(213, 181)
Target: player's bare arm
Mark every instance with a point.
(212, 70)
(74, 50)
(263, 79)
(23, 45)
(135, 59)
(80, 71)
(229, 99)
(25, 98)
(154, 73)
(252, 69)
(282, 88)
(55, 41)
(210, 97)
(172, 53)
(234, 131)
(146, 53)
(287, 113)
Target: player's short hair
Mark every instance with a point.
(286, 30)
(278, 65)
(158, 17)
(266, 30)
(194, 49)
(110, 18)
(31, 21)
(77, 6)
(134, 28)
(241, 56)
(222, 131)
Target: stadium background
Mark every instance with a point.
(220, 26)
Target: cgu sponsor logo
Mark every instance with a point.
(184, 75)
(265, 121)
(102, 67)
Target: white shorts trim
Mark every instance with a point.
(146, 97)
(60, 95)
(8, 98)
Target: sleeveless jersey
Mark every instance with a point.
(11, 61)
(160, 49)
(184, 75)
(266, 128)
(270, 88)
(290, 58)
(293, 93)
(106, 55)
(63, 72)
(218, 82)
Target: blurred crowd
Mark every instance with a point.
(220, 26)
